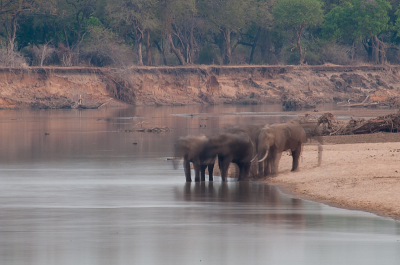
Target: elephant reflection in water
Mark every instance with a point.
(248, 194)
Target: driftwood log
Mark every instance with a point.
(331, 126)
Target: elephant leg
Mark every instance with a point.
(186, 167)
(223, 167)
(240, 166)
(197, 169)
(275, 162)
(203, 172)
(261, 169)
(244, 169)
(210, 172)
(267, 166)
(296, 156)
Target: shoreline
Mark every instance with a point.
(360, 176)
(289, 190)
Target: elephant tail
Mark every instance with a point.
(265, 156)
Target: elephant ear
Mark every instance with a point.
(281, 137)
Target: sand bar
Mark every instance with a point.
(358, 172)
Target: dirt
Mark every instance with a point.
(292, 86)
(358, 172)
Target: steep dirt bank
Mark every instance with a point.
(293, 86)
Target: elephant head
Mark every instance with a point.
(270, 138)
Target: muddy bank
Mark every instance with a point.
(292, 86)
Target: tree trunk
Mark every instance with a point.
(161, 51)
(368, 48)
(375, 49)
(11, 31)
(382, 52)
(191, 45)
(302, 54)
(228, 49)
(265, 46)
(148, 49)
(254, 45)
(176, 51)
(138, 44)
(353, 50)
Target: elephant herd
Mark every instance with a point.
(242, 145)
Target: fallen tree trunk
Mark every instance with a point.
(388, 123)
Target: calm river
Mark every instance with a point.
(76, 188)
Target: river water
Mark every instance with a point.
(77, 188)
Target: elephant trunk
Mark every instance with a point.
(175, 162)
(262, 151)
(179, 152)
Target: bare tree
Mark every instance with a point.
(42, 52)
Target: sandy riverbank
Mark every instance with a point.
(358, 172)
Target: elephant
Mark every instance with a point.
(253, 131)
(236, 148)
(275, 139)
(192, 149)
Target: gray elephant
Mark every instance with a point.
(192, 149)
(253, 131)
(275, 139)
(236, 148)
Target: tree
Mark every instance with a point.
(360, 20)
(225, 17)
(298, 15)
(179, 20)
(67, 20)
(258, 31)
(10, 12)
(134, 18)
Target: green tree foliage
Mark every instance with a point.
(10, 13)
(359, 20)
(224, 18)
(197, 31)
(257, 32)
(298, 15)
(397, 22)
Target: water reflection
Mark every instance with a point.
(261, 202)
(85, 194)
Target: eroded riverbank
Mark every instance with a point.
(291, 86)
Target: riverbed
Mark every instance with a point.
(82, 187)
